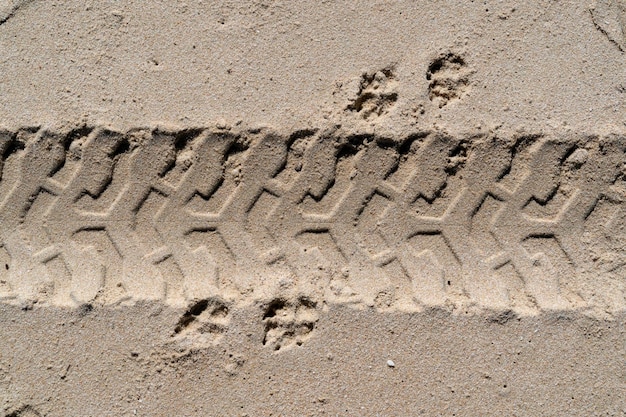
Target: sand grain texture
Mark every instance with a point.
(280, 208)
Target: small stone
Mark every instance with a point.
(391, 364)
(578, 157)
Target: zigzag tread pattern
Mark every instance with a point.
(525, 224)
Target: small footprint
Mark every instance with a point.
(448, 78)
(204, 322)
(376, 94)
(289, 323)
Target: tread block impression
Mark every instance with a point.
(521, 224)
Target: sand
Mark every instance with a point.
(341, 208)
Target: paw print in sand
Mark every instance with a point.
(376, 94)
(204, 322)
(288, 323)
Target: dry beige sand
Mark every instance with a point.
(273, 208)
